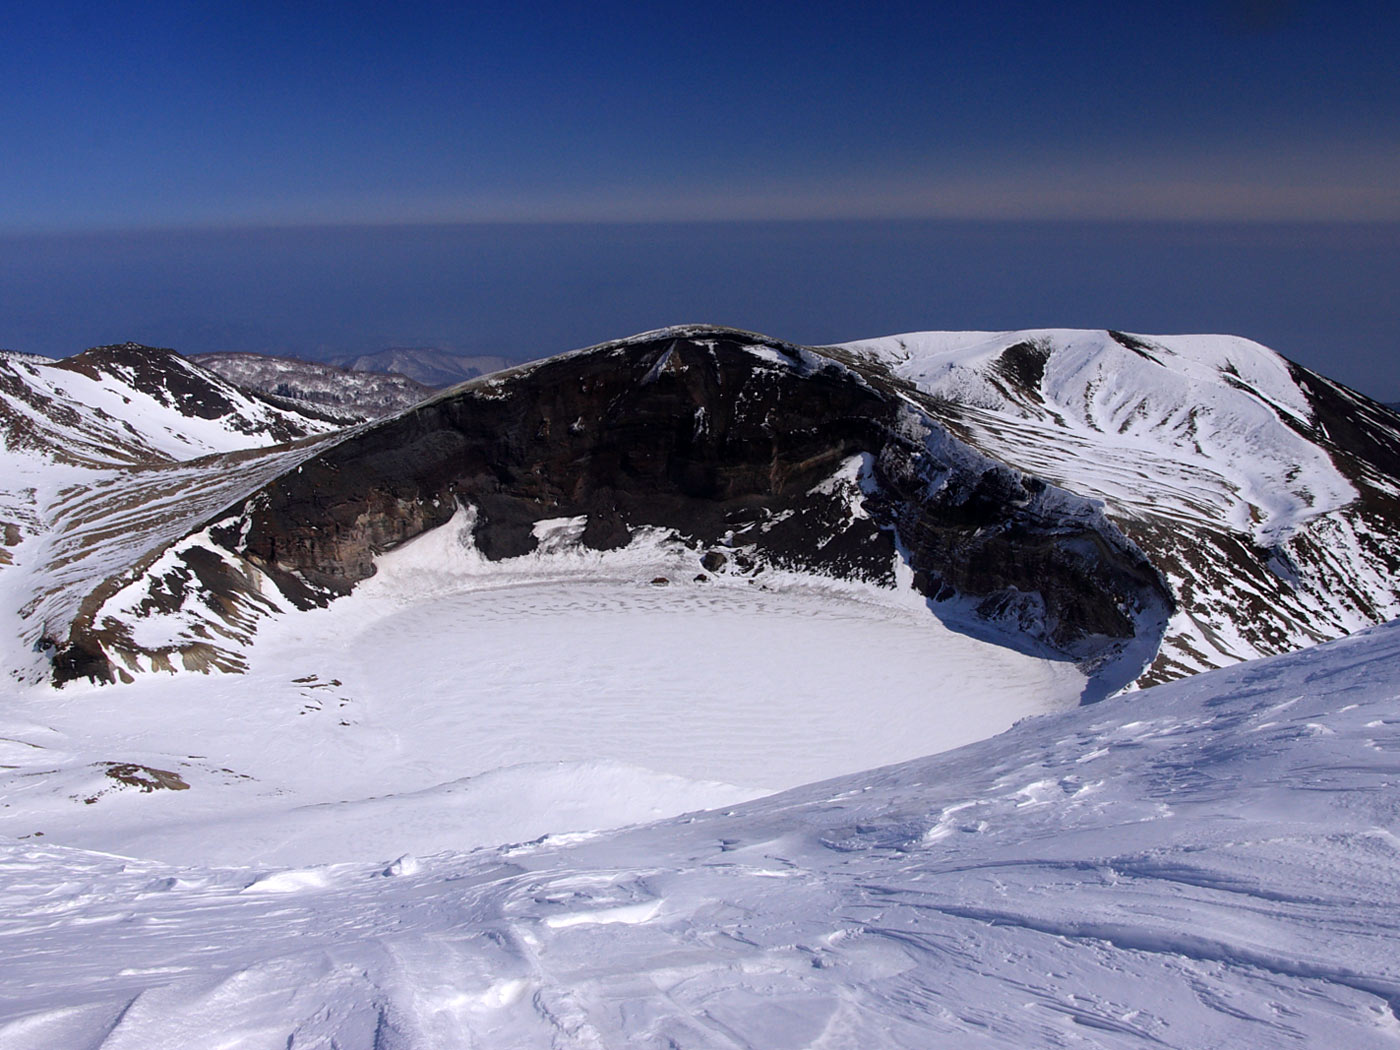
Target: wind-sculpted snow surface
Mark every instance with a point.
(677, 572)
(1204, 864)
(1267, 495)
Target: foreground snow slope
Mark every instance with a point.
(1209, 863)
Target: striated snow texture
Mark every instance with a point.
(106, 457)
(1204, 864)
(775, 454)
(132, 404)
(1257, 502)
(309, 854)
(1159, 432)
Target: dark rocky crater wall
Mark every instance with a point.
(697, 431)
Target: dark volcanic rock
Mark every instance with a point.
(713, 561)
(696, 435)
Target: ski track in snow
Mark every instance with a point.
(1205, 864)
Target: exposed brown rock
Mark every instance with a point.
(147, 778)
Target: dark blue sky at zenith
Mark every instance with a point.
(522, 179)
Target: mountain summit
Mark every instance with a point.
(1266, 494)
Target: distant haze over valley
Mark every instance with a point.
(1320, 293)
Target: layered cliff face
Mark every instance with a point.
(753, 452)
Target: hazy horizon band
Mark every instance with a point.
(1318, 292)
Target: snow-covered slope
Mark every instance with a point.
(1205, 864)
(134, 404)
(1195, 428)
(107, 456)
(1150, 507)
(86, 528)
(754, 454)
(1266, 494)
(456, 702)
(676, 572)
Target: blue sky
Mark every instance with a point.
(121, 116)
(315, 178)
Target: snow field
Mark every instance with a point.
(111, 418)
(452, 703)
(393, 832)
(1198, 447)
(1205, 864)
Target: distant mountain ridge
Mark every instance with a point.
(428, 365)
(105, 454)
(353, 395)
(131, 404)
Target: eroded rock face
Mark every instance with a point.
(699, 436)
(779, 454)
(1267, 496)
